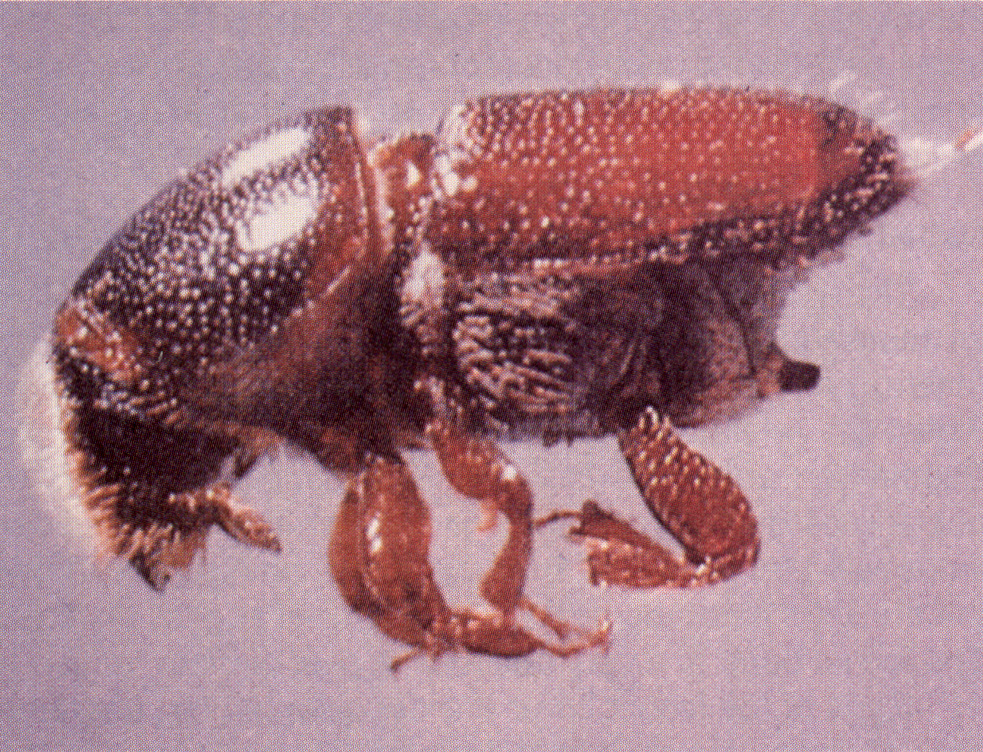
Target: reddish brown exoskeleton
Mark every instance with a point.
(552, 266)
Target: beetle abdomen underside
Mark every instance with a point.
(572, 356)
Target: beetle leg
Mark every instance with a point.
(150, 504)
(480, 470)
(159, 532)
(239, 521)
(379, 557)
(486, 634)
(700, 505)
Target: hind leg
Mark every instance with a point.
(701, 506)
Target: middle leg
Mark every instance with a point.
(480, 470)
(379, 557)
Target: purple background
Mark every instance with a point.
(859, 629)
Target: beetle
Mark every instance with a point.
(555, 265)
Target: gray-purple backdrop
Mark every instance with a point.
(860, 628)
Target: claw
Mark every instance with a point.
(555, 516)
